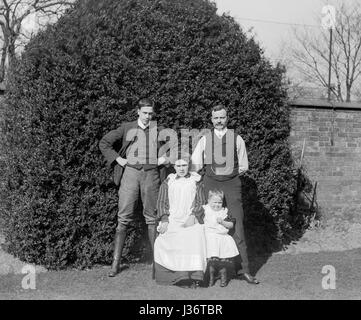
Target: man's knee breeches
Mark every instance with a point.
(137, 183)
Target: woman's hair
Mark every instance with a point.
(215, 193)
(183, 155)
(179, 153)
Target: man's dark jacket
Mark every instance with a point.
(115, 144)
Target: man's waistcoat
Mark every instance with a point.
(140, 149)
(221, 161)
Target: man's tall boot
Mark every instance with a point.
(119, 241)
(152, 234)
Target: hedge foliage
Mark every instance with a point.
(81, 77)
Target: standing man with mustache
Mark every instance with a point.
(224, 156)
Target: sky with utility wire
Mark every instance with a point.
(273, 21)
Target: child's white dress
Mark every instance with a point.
(219, 243)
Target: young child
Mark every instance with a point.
(220, 245)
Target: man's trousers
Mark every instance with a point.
(134, 183)
(233, 200)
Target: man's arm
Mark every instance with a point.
(197, 156)
(166, 146)
(107, 149)
(242, 155)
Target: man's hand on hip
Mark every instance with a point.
(162, 160)
(121, 161)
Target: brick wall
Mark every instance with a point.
(332, 154)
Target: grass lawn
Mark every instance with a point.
(282, 276)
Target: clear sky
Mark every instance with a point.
(272, 36)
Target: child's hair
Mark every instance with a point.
(215, 193)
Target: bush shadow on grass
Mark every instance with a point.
(262, 235)
(259, 229)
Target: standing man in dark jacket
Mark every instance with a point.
(133, 151)
(224, 156)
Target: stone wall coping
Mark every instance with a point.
(324, 104)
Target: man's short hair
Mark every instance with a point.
(215, 193)
(219, 107)
(145, 102)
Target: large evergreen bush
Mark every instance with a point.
(81, 77)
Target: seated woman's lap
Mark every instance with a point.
(182, 249)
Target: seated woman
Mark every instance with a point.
(180, 248)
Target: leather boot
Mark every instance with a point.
(212, 273)
(119, 241)
(152, 234)
(223, 273)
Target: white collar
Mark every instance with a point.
(140, 124)
(220, 133)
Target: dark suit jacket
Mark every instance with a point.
(115, 144)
